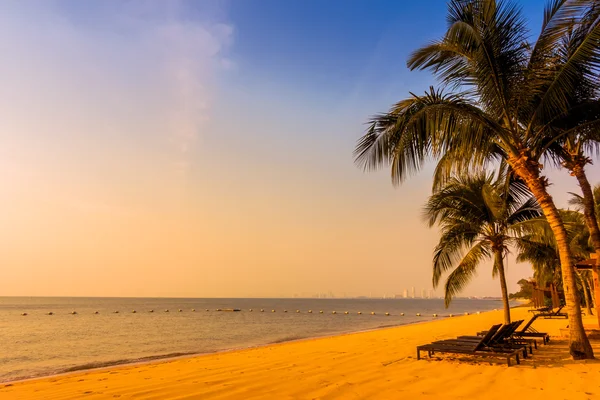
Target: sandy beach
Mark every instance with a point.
(379, 364)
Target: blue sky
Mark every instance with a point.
(204, 148)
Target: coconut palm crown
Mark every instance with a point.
(504, 94)
(479, 217)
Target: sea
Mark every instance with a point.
(59, 335)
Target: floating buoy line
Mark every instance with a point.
(262, 310)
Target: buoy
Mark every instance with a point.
(50, 313)
(435, 315)
(116, 312)
(250, 310)
(133, 312)
(194, 310)
(478, 312)
(284, 310)
(180, 310)
(207, 309)
(151, 311)
(272, 310)
(418, 314)
(310, 311)
(24, 314)
(387, 313)
(321, 312)
(166, 310)
(262, 310)
(372, 313)
(73, 312)
(495, 309)
(345, 312)
(359, 313)
(297, 311)
(96, 312)
(466, 313)
(333, 312)
(402, 314)
(451, 315)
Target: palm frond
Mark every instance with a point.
(425, 126)
(465, 271)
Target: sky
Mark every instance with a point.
(204, 149)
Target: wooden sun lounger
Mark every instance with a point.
(528, 331)
(541, 309)
(477, 348)
(548, 312)
(554, 314)
(504, 339)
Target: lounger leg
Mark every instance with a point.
(418, 354)
(508, 361)
(535, 344)
(518, 361)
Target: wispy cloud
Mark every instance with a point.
(129, 71)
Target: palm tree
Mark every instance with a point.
(576, 133)
(479, 218)
(511, 91)
(538, 247)
(576, 200)
(589, 204)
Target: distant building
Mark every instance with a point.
(405, 294)
(430, 294)
(412, 292)
(422, 293)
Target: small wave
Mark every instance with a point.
(14, 377)
(288, 339)
(104, 364)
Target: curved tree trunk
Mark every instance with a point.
(499, 265)
(593, 292)
(586, 295)
(579, 345)
(592, 222)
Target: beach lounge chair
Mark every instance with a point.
(541, 310)
(553, 314)
(527, 331)
(504, 339)
(475, 348)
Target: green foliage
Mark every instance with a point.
(517, 98)
(539, 247)
(478, 216)
(525, 291)
(576, 201)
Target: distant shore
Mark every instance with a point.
(379, 363)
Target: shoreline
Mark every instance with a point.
(375, 364)
(152, 359)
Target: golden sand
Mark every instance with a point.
(378, 364)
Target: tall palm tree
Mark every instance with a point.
(576, 133)
(576, 200)
(589, 204)
(511, 91)
(479, 218)
(538, 247)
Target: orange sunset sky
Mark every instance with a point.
(147, 152)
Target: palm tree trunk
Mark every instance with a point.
(591, 286)
(529, 171)
(499, 265)
(592, 222)
(586, 295)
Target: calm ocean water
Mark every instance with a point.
(40, 344)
